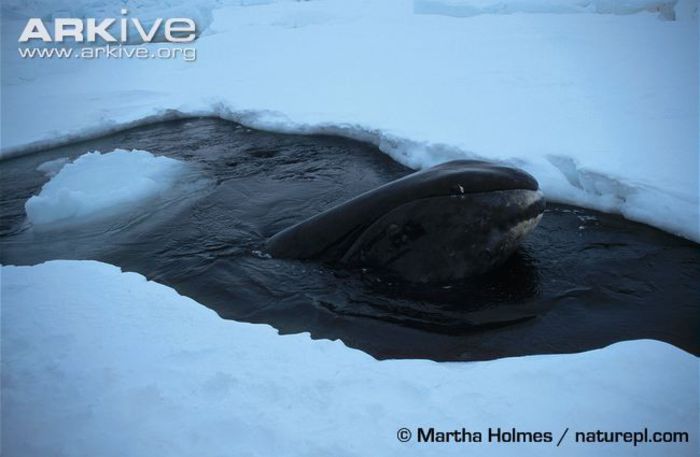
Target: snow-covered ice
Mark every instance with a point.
(100, 362)
(461, 8)
(601, 108)
(99, 185)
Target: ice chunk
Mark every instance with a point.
(97, 185)
(52, 167)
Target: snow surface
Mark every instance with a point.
(462, 8)
(602, 109)
(49, 9)
(100, 362)
(100, 185)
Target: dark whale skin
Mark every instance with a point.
(440, 224)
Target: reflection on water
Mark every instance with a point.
(582, 280)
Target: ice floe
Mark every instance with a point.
(100, 362)
(601, 108)
(98, 185)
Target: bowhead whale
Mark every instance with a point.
(440, 224)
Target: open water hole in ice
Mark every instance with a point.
(581, 281)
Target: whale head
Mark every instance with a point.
(440, 224)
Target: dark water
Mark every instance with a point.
(582, 280)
